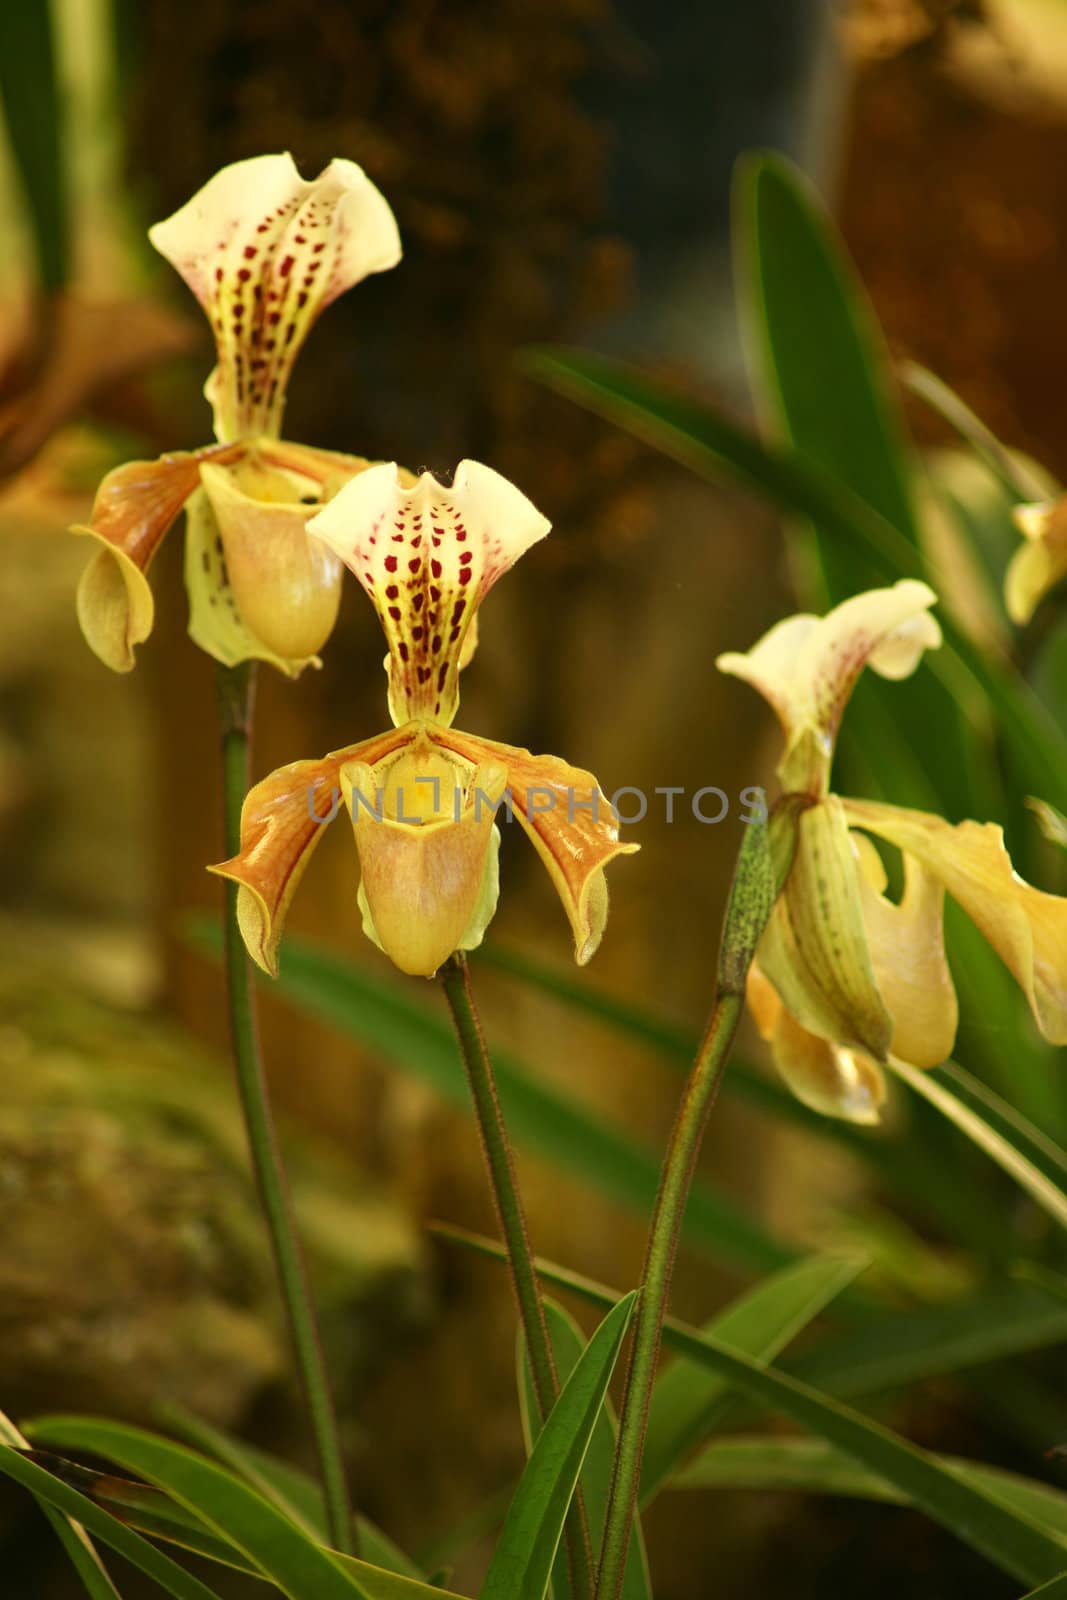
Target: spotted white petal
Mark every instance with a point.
(427, 556)
(264, 251)
(806, 668)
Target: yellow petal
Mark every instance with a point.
(1039, 564)
(427, 556)
(264, 251)
(907, 948)
(806, 668)
(815, 949)
(836, 1082)
(287, 586)
(569, 821)
(428, 887)
(1026, 927)
(282, 820)
(135, 505)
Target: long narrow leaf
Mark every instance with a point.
(815, 1467)
(760, 1323)
(281, 1550)
(172, 1579)
(1006, 1538)
(75, 1541)
(523, 1558)
(598, 1466)
(294, 1492)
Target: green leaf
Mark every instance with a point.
(901, 1347)
(543, 1119)
(760, 1323)
(598, 1466)
(1034, 1162)
(75, 1541)
(32, 108)
(691, 432)
(523, 1558)
(1005, 1537)
(174, 1580)
(1015, 475)
(280, 1549)
(294, 1492)
(815, 1467)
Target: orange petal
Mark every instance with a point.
(836, 1082)
(134, 507)
(427, 555)
(282, 820)
(569, 820)
(1026, 927)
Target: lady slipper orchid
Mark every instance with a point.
(264, 251)
(423, 797)
(845, 977)
(1040, 561)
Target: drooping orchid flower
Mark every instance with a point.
(423, 796)
(1040, 562)
(264, 251)
(845, 977)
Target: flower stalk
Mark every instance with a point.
(762, 866)
(496, 1147)
(236, 693)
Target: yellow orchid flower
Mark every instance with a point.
(423, 796)
(1040, 561)
(264, 251)
(844, 976)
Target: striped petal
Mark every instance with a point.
(282, 820)
(806, 668)
(264, 251)
(135, 505)
(1026, 927)
(569, 821)
(815, 949)
(427, 556)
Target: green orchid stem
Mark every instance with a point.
(236, 695)
(678, 1166)
(496, 1147)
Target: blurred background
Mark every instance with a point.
(560, 173)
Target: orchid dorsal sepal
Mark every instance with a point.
(427, 554)
(265, 251)
(806, 668)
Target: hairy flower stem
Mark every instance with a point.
(236, 694)
(679, 1163)
(499, 1161)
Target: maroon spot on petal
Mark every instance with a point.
(458, 609)
(290, 330)
(319, 247)
(435, 567)
(286, 266)
(403, 651)
(274, 317)
(218, 274)
(398, 538)
(390, 563)
(415, 565)
(392, 593)
(417, 602)
(442, 676)
(424, 673)
(301, 300)
(417, 633)
(250, 252)
(454, 635)
(436, 645)
(435, 594)
(298, 238)
(464, 574)
(466, 557)
(244, 274)
(394, 612)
